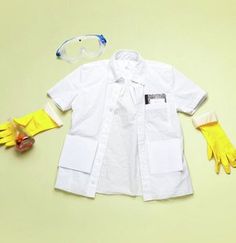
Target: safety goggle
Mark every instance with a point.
(84, 46)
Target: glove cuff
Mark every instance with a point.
(53, 115)
(205, 118)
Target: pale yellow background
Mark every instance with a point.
(198, 37)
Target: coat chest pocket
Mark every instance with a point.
(165, 156)
(78, 153)
(158, 115)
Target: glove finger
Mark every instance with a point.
(225, 163)
(216, 156)
(3, 141)
(217, 161)
(232, 159)
(217, 167)
(209, 152)
(5, 133)
(4, 126)
(10, 144)
(7, 139)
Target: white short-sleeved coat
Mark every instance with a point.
(125, 136)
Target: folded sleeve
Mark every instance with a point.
(188, 96)
(64, 92)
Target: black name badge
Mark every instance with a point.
(154, 98)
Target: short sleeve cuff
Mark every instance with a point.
(53, 115)
(197, 102)
(205, 118)
(60, 103)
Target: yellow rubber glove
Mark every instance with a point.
(218, 144)
(33, 123)
(7, 134)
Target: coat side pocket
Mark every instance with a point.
(78, 153)
(165, 156)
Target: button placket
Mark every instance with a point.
(103, 141)
(141, 147)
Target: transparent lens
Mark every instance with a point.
(72, 49)
(81, 47)
(91, 45)
(76, 48)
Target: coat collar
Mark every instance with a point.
(127, 64)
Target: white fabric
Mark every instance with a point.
(165, 156)
(78, 153)
(48, 108)
(203, 119)
(120, 143)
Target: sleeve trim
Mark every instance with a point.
(205, 118)
(48, 108)
(58, 101)
(198, 101)
(195, 104)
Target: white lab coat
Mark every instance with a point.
(125, 136)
